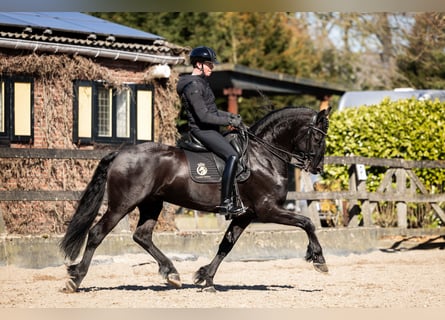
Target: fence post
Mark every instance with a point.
(2, 223)
(312, 213)
(353, 207)
(361, 187)
(415, 182)
(401, 205)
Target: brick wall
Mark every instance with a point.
(53, 123)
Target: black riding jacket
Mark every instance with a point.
(198, 101)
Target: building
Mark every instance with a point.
(232, 81)
(72, 87)
(98, 74)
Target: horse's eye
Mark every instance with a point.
(318, 137)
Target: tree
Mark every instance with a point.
(359, 50)
(182, 28)
(422, 64)
(274, 41)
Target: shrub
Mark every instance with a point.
(406, 129)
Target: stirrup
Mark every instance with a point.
(230, 210)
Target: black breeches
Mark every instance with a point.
(215, 142)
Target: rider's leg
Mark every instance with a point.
(228, 179)
(216, 143)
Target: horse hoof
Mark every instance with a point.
(209, 289)
(174, 280)
(321, 267)
(70, 287)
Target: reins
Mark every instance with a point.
(303, 158)
(271, 148)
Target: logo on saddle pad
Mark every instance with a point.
(201, 169)
(205, 167)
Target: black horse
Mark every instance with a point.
(146, 175)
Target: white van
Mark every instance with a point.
(359, 98)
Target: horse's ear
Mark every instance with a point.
(323, 113)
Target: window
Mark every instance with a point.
(104, 107)
(123, 114)
(16, 109)
(104, 115)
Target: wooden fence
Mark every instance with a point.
(399, 185)
(46, 195)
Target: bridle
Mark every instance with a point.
(303, 158)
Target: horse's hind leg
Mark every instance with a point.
(149, 213)
(77, 272)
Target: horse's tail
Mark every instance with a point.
(87, 209)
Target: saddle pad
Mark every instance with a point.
(202, 167)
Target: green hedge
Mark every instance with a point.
(406, 129)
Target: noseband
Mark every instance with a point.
(305, 158)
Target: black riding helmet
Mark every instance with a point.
(201, 54)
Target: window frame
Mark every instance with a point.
(4, 135)
(9, 104)
(94, 125)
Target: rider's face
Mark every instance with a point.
(207, 68)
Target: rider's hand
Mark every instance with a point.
(235, 120)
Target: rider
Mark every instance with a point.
(204, 120)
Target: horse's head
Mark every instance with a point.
(311, 146)
(307, 130)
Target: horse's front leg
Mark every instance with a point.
(314, 252)
(207, 273)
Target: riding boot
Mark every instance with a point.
(227, 206)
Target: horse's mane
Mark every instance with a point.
(283, 113)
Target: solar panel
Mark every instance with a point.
(72, 22)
